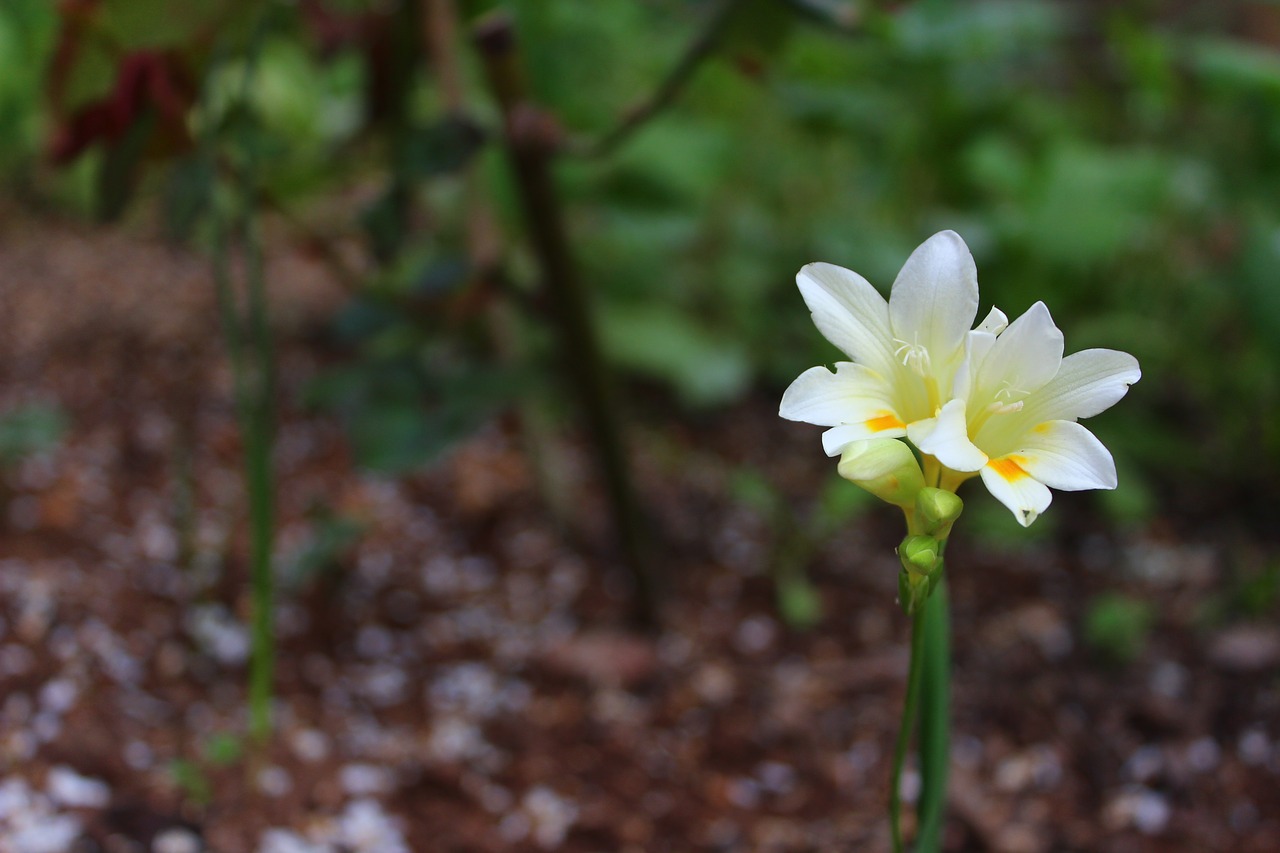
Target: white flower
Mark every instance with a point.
(999, 401)
(905, 352)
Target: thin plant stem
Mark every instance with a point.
(935, 720)
(249, 346)
(248, 339)
(529, 153)
(702, 47)
(909, 708)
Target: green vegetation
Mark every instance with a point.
(1116, 627)
(1124, 166)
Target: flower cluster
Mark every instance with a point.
(997, 400)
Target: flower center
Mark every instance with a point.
(1004, 403)
(914, 356)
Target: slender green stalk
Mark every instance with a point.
(249, 347)
(929, 691)
(935, 718)
(248, 339)
(909, 707)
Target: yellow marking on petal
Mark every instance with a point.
(1042, 428)
(884, 422)
(1008, 468)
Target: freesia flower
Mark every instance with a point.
(998, 401)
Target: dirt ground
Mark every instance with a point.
(462, 682)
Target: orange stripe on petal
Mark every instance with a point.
(884, 422)
(1008, 468)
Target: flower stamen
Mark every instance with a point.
(914, 356)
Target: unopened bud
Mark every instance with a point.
(938, 510)
(920, 555)
(885, 467)
(921, 558)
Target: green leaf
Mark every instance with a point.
(758, 30)
(1110, 197)
(1256, 282)
(750, 487)
(1238, 67)
(29, 430)
(150, 24)
(799, 602)
(118, 171)
(840, 504)
(92, 77)
(1116, 626)
(662, 344)
(332, 536)
(223, 749)
(400, 417)
(188, 776)
(440, 148)
(188, 195)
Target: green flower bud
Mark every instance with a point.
(938, 509)
(921, 558)
(885, 467)
(920, 555)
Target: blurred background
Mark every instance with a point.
(432, 349)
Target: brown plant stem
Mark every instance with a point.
(530, 137)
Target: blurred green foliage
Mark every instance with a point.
(1116, 627)
(796, 534)
(27, 29)
(1120, 163)
(1249, 592)
(27, 430)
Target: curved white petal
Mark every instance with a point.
(1025, 357)
(837, 439)
(849, 312)
(995, 322)
(853, 394)
(1025, 496)
(976, 347)
(935, 297)
(1064, 455)
(1087, 382)
(946, 437)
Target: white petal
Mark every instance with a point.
(1087, 382)
(976, 346)
(1064, 455)
(849, 312)
(946, 437)
(1025, 356)
(935, 297)
(853, 394)
(995, 323)
(1025, 496)
(836, 439)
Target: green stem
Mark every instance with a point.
(259, 429)
(935, 718)
(909, 705)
